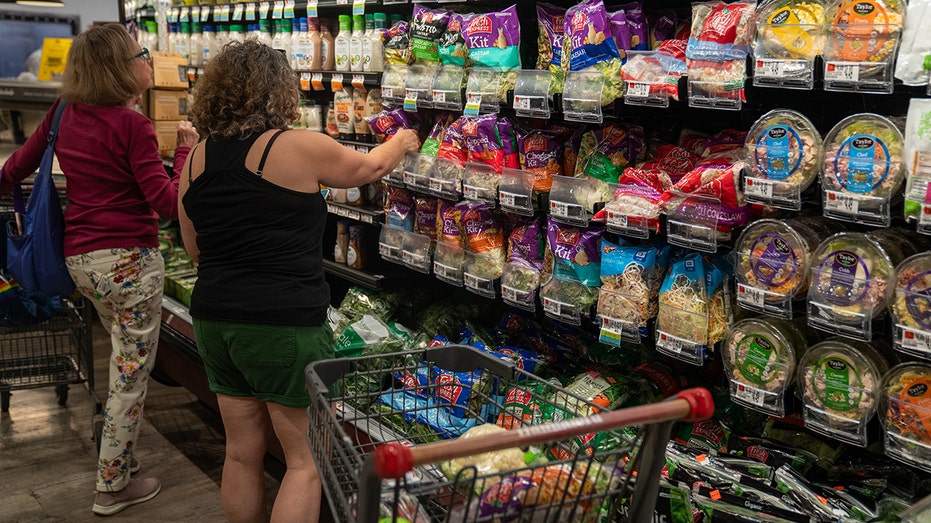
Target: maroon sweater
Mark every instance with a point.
(116, 183)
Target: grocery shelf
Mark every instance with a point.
(371, 281)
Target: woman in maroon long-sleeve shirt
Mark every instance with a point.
(117, 188)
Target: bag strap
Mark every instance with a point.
(19, 203)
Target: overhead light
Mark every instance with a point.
(41, 3)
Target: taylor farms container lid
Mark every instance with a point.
(863, 155)
(774, 256)
(851, 275)
(784, 146)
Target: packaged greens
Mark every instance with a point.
(588, 43)
(427, 26)
(573, 253)
(524, 404)
(549, 43)
(451, 45)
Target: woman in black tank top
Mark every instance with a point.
(253, 217)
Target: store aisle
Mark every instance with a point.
(47, 455)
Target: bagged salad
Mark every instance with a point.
(588, 43)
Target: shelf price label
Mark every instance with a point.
(410, 100)
(250, 12)
(751, 296)
(751, 395)
(278, 10)
(358, 7)
(237, 12)
(769, 68)
(316, 81)
(336, 82)
(670, 343)
(439, 97)
(205, 13)
(565, 210)
(552, 307)
(758, 187)
(842, 71)
(617, 219)
(914, 339)
(612, 330)
(312, 8)
(924, 217)
(473, 103)
(289, 9)
(263, 10)
(638, 90)
(842, 202)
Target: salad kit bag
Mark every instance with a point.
(35, 237)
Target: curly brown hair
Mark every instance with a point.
(99, 69)
(247, 88)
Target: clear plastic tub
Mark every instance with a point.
(759, 357)
(906, 413)
(790, 24)
(773, 256)
(850, 277)
(839, 382)
(863, 156)
(911, 305)
(783, 147)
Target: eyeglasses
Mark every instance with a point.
(144, 54)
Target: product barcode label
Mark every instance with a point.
(475, 282)
(522, 103)
(670, 343)
(388, 251)
(750, 395)
(750, 296)
(759, 187)
(413, 258)
(565, 210)
(470, 192)
(387, 92)
(509, 294)
(617, 219)
(437, 185)
(415, 180)
(841, 202)
(769, 68)
(367, 218)
(842, 71)
(513, 200)
(439, 97)
(638, 89)
(915, 339)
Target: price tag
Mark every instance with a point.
(473, 103)
(638, 90)
(470, 192)
(332, 209)
(312, 8)
(439, 97)
(263, 10)
(769, 68)
(237, 12)
(924, 218)
(195, 14)
(758, 187)
(205, 13)
(225, 13)
(316, 80)
(565, 210)
(336, 82)
(617, 219)
(611, 331)
(915, 339)
(289, 9)
(387, 92)
(353, 214)
(367, 218)
(522, 103)
(553, 307)
(842, 71)
(507, 199)
(278, 10)
(358, 7)
(471, 281)
(342, 211)
(441, 271)
(384, 250)
(184, 15)
(670, 343)
(358, 81)
(250, 12)
(410, 100)
(750, 296)
(750, 394)
(842, 202)
(342, 2)
(412, 258)
(305, 81)
(436, 185)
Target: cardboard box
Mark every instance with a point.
(167, 105)
(167, 133)
(170, 70)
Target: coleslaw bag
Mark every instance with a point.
(35, 240)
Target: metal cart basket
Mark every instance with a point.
(56, 352)
(563, 458)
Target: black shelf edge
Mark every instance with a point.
(374, 215)
(371, 281)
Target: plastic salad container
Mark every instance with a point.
(906, 418)
(759, 357)
(839, 382)
(911, 303)
(788, 28)
(875, 41)
(863, 156)
(851, 272)
(784, 146)
(773, 256)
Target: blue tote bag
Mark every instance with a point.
(35, 240)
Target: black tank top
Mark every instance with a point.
(260, 243)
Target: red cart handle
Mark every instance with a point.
(393, 460)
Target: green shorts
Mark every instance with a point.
(263, 361)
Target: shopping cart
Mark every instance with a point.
(378, 464)
(56, 352)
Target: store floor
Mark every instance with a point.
(47, 457)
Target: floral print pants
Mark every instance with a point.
(126, 287)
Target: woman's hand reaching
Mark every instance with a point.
(187, 134)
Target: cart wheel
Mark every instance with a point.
(4, 401)
(62, 392)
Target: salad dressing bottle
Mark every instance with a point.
(355, 43)
(342, 44)
(327, 48)
(314, 44)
